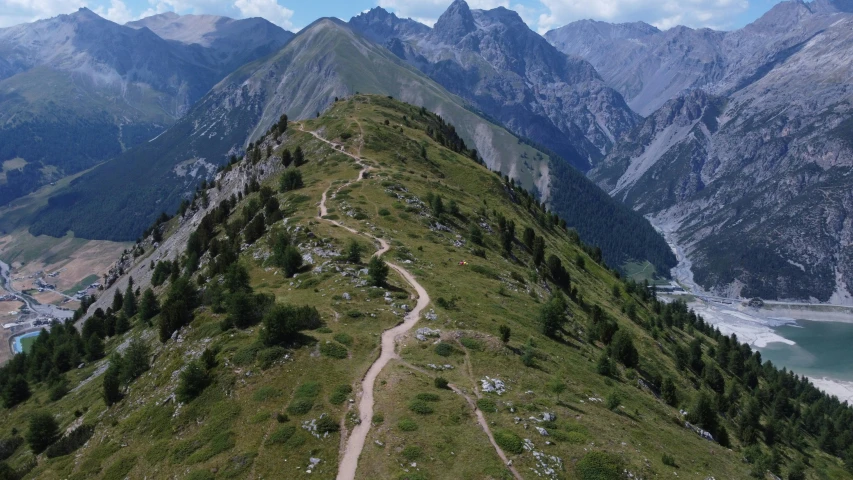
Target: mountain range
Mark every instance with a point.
(736, 145)
(509, 72)
(745, 153)
(325, 61)
(77, 89)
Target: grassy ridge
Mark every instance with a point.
(250, 422)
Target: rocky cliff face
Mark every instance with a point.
(492, 59)
(754, 175)
(646, 65)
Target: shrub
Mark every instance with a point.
(428, 397)
(420, 407)
(334, 350)
(613, 401)
(604, 366)
(377, 418)
(246, 355)
(441, 382)
(9, 445)
(445, 303)
(259, 417)
(487, 405)
(407, 425)
(354, 314)
(268, 356)
(59, 390)
(281, 435)
(281, 417)
(622, 347)
(308, 390)
(486, 272)
(340, 394)
(193, 380)
(70, 442)
(444, 349)
(471, 344)
(200, 475)
(282, 323)
(265, 393)
(300, 406)
(575, 437)
(43, 431)
(326, 424)
(509, 441)
(412, 453)
(384, 212)
(290, 180)
(344, 338)
(668, 460)
(599, 466)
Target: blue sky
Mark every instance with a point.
(541, 15)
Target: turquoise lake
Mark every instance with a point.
(823, 349)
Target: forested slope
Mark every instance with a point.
(238, 351)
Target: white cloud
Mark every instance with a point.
(428, 11)
(21, 11)
(660, 13)
(117, 12)
(268, 9)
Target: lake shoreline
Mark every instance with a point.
(762, 333)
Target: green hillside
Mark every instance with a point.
(270, 317)
(324, 61)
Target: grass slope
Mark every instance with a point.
(235, 430)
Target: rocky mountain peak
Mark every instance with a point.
(84, 12)
(380, 25)
(831, 6)
(783, 15)
(455, 23)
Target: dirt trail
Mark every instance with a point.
(481, 419)
(355, 443)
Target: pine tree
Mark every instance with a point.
(94, 348)
(129, 306)
(377, 272)
(286, 158)
(623, 350)
(135, 361)
(290, 180)
(354, 252)
(292, 261)
(16, 391)
(118, 301)
(528, 237)
(552, 315)
(122, 324)
(194, 379)
(43, 432)
(298, 157)
(149, 306)
(538, 251)
(111, 385)
(669, 392)
(505, 333)
(476, 235)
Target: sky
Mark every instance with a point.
(540, 15)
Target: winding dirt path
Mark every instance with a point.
(481, 419)
(355, 443)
